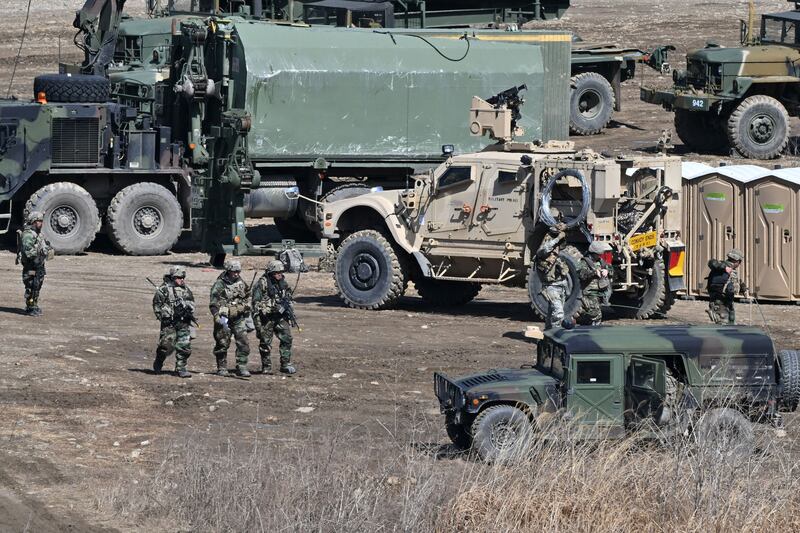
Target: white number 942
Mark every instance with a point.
(698, 103)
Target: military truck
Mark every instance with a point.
(479, 218)
(608, 382)
(739, 97)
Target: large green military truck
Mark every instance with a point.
(739, 97)
(608, 382)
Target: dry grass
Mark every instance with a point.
(313, 484)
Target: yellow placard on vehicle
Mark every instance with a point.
(643, 240)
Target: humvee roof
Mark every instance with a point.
(690, 340)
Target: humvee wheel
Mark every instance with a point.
(790, 378)
(726, 430)
(71, 219)
(368, 273)
(759, 127)
(500, 432)
(699, 131)
(653, 299)
(591, 103)
(459, 433)
(444, 293)
(573, 302)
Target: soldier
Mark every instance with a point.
(230, 308)
(173, 305)
(32, 251)
(723, 284)
(595, 276)
(272, 305)
(554, 273)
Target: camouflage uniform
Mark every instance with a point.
(272, 300)
(554, 273)
(722, 286)
(594, 284)
(173, 305)
(32, 252)
(230, 307)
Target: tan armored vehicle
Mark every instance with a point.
(479, 218)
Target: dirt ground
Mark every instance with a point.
(83, 414)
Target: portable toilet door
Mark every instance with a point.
(772, 224)
(717, 223)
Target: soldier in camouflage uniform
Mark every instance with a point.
(595, 276)
(32, 251)
(173, 305)
(554, 273)
(272, 305)
(230, 307)
(723, 284)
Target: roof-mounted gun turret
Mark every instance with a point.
(498, 115)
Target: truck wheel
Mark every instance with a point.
(790, 378)
(144, 219)
(702, 132)
(726, 430)
(76, 89)
(500, 432)
(759, 127)
(71, 219)
(459, 433)
(651, 299)
(591, 103)
(443, 293)
(572, 304)
(368, 273)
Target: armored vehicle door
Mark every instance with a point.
(645, 387)
(450, 211)
(595, 392)
(501, 203)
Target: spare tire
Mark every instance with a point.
(790, 378)
(66, 88)
(547, 192)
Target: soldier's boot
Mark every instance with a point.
(30, 307)
(242, 371)
(158, 363)
(287, 367)
(266, 365)
(183, 373)
(222, 367)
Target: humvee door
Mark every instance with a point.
(501, 203)
(645, 387)
(595, 392)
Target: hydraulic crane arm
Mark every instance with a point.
(97, 23)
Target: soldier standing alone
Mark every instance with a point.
(230, 307)
(723, 284)
(32, 251)
(554, 273)
(173, 305)
(595, 276)
(272, 305)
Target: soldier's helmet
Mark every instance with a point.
(736, 255)
(598, 247)
(233, 266)
(274, 266)
(177, 272)
(35, 216)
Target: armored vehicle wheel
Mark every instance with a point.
(653, 298)
(500, 432)
(459, 433)
(368, 272)
(442, 293)
(790, 378)
(591, 104)
(573, 302)
(702, 132)
(759, 127)
(76, 89)
(726, 430)
(144, 219)
(71, 219)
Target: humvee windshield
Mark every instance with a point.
(550, 359)
(780, 30)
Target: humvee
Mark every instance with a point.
(739, 97)
(611, 381)
(479, 218)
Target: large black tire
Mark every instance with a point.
(441, 293)
(702, 132)
(651, 302)
(500, 432)
(790, 378)
(459, 433)
(71, 219)
(573, 302)
(591, 103)
(727, 430)
(368, 273)
(144, 219)
(759, 127)
(76, 89)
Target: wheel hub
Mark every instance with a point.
(503, 436)
(147, 221)
(590, 104)
(364, 271)
(64, 220)
(762, 129)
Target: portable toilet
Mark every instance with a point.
(773, 257)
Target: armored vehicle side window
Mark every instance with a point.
(644, 374)
(455, 175)
(593, 372)
(507, 176)
(778, 31)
